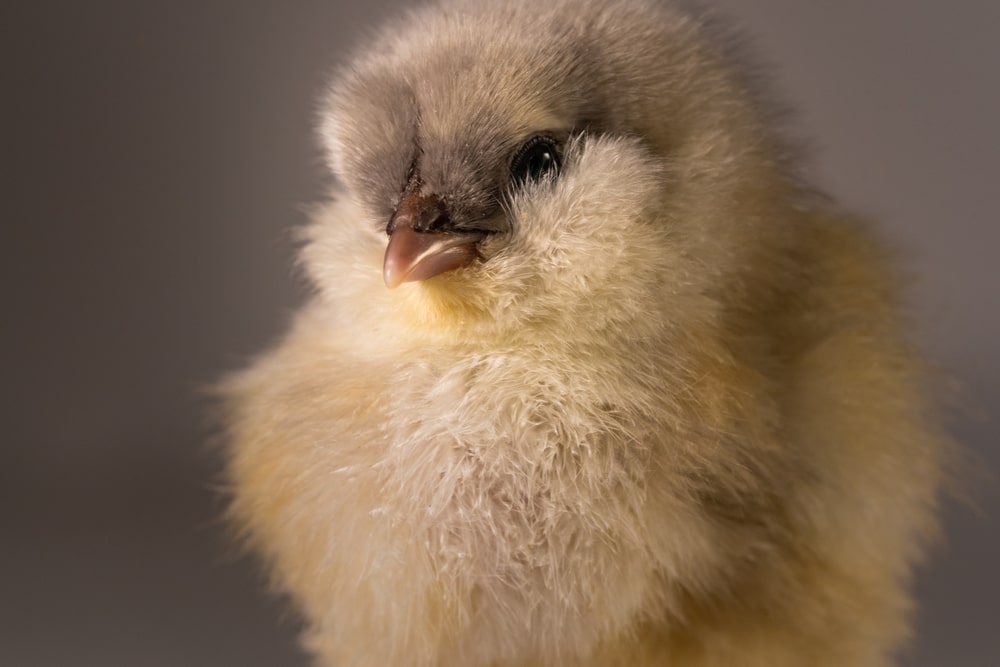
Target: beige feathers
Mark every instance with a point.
(659, 411)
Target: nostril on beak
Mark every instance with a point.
(421, 214)
(432, 216)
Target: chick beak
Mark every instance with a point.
(423, 243)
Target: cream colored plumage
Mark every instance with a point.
(653, 406)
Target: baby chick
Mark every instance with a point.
(590, 377)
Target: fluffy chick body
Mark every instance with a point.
(668, 418)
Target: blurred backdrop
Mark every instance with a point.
(156, 155)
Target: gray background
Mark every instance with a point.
(156, 153)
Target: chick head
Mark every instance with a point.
(567, 167)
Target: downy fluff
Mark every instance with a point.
(654, 408)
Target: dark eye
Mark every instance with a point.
(536, 158)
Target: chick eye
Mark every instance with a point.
(534, 160)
